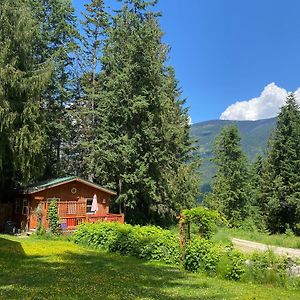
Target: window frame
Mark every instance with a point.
(89, 205)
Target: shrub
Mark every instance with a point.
(147, 242)
(40, 230)
(206, 220)
(200, 254)
(54, 218)
(236, 265)
(267, 268)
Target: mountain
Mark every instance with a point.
(254, 139)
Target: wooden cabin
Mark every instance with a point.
(78, 201)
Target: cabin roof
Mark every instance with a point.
(43, 185)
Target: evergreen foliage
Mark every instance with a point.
(231, 186)
(280, 179)
(94, 25)
(57, 41)
(142, 146)
(111, 112)
(22, 81)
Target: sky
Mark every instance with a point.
(234, 59)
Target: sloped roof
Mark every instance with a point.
(59, 181)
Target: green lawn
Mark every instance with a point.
(45, 269)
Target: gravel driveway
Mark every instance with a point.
(248, 246)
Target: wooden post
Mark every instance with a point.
(189, 231)
(181, 235)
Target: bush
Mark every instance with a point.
(236, 266)
(146, 242)
(267, 268)
(201, 254)
(40, 230)
(53, 217)
(206, 220)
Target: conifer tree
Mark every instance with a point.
(280, 187)
(142, 146)
(57, 37)
(231, 184)
(22, 81)
(94, 26)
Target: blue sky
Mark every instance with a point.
(226, 51)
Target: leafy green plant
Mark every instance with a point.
(236, 267)
(53, 218)
(205, 219)
(200, 254)
(267, 268)
(40, 230)
(146, 242)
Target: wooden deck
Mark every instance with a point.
(70, 222)
(73, 213)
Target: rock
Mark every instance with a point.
(294, 271)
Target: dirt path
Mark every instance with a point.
(248, 246)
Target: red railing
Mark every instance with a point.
(73, 213)
(70, 222)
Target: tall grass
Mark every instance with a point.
(224, 235)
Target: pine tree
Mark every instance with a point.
(280, 187)
(22, 81)
(231, 186)
(142, 146)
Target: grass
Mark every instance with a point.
(224, 235)
(44, 269)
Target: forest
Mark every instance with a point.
(97, 98)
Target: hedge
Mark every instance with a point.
(146, 242)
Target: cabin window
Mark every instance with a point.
(25, 207)
(89, 202)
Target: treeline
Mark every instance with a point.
(95, 99)
(267, 192)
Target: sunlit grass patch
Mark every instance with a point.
(45, 269)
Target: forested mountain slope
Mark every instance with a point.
(255, 135)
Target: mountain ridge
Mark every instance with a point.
(254, 139)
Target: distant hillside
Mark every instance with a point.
(254, 134)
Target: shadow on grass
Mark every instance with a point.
(93, 275)
(11, 248)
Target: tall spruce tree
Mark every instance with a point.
(142, 146)
(22, 81)
(57, 38)
(231, 184)
(280, 186)
(94, 26)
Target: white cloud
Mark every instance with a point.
(265, 106)
(190, 120)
